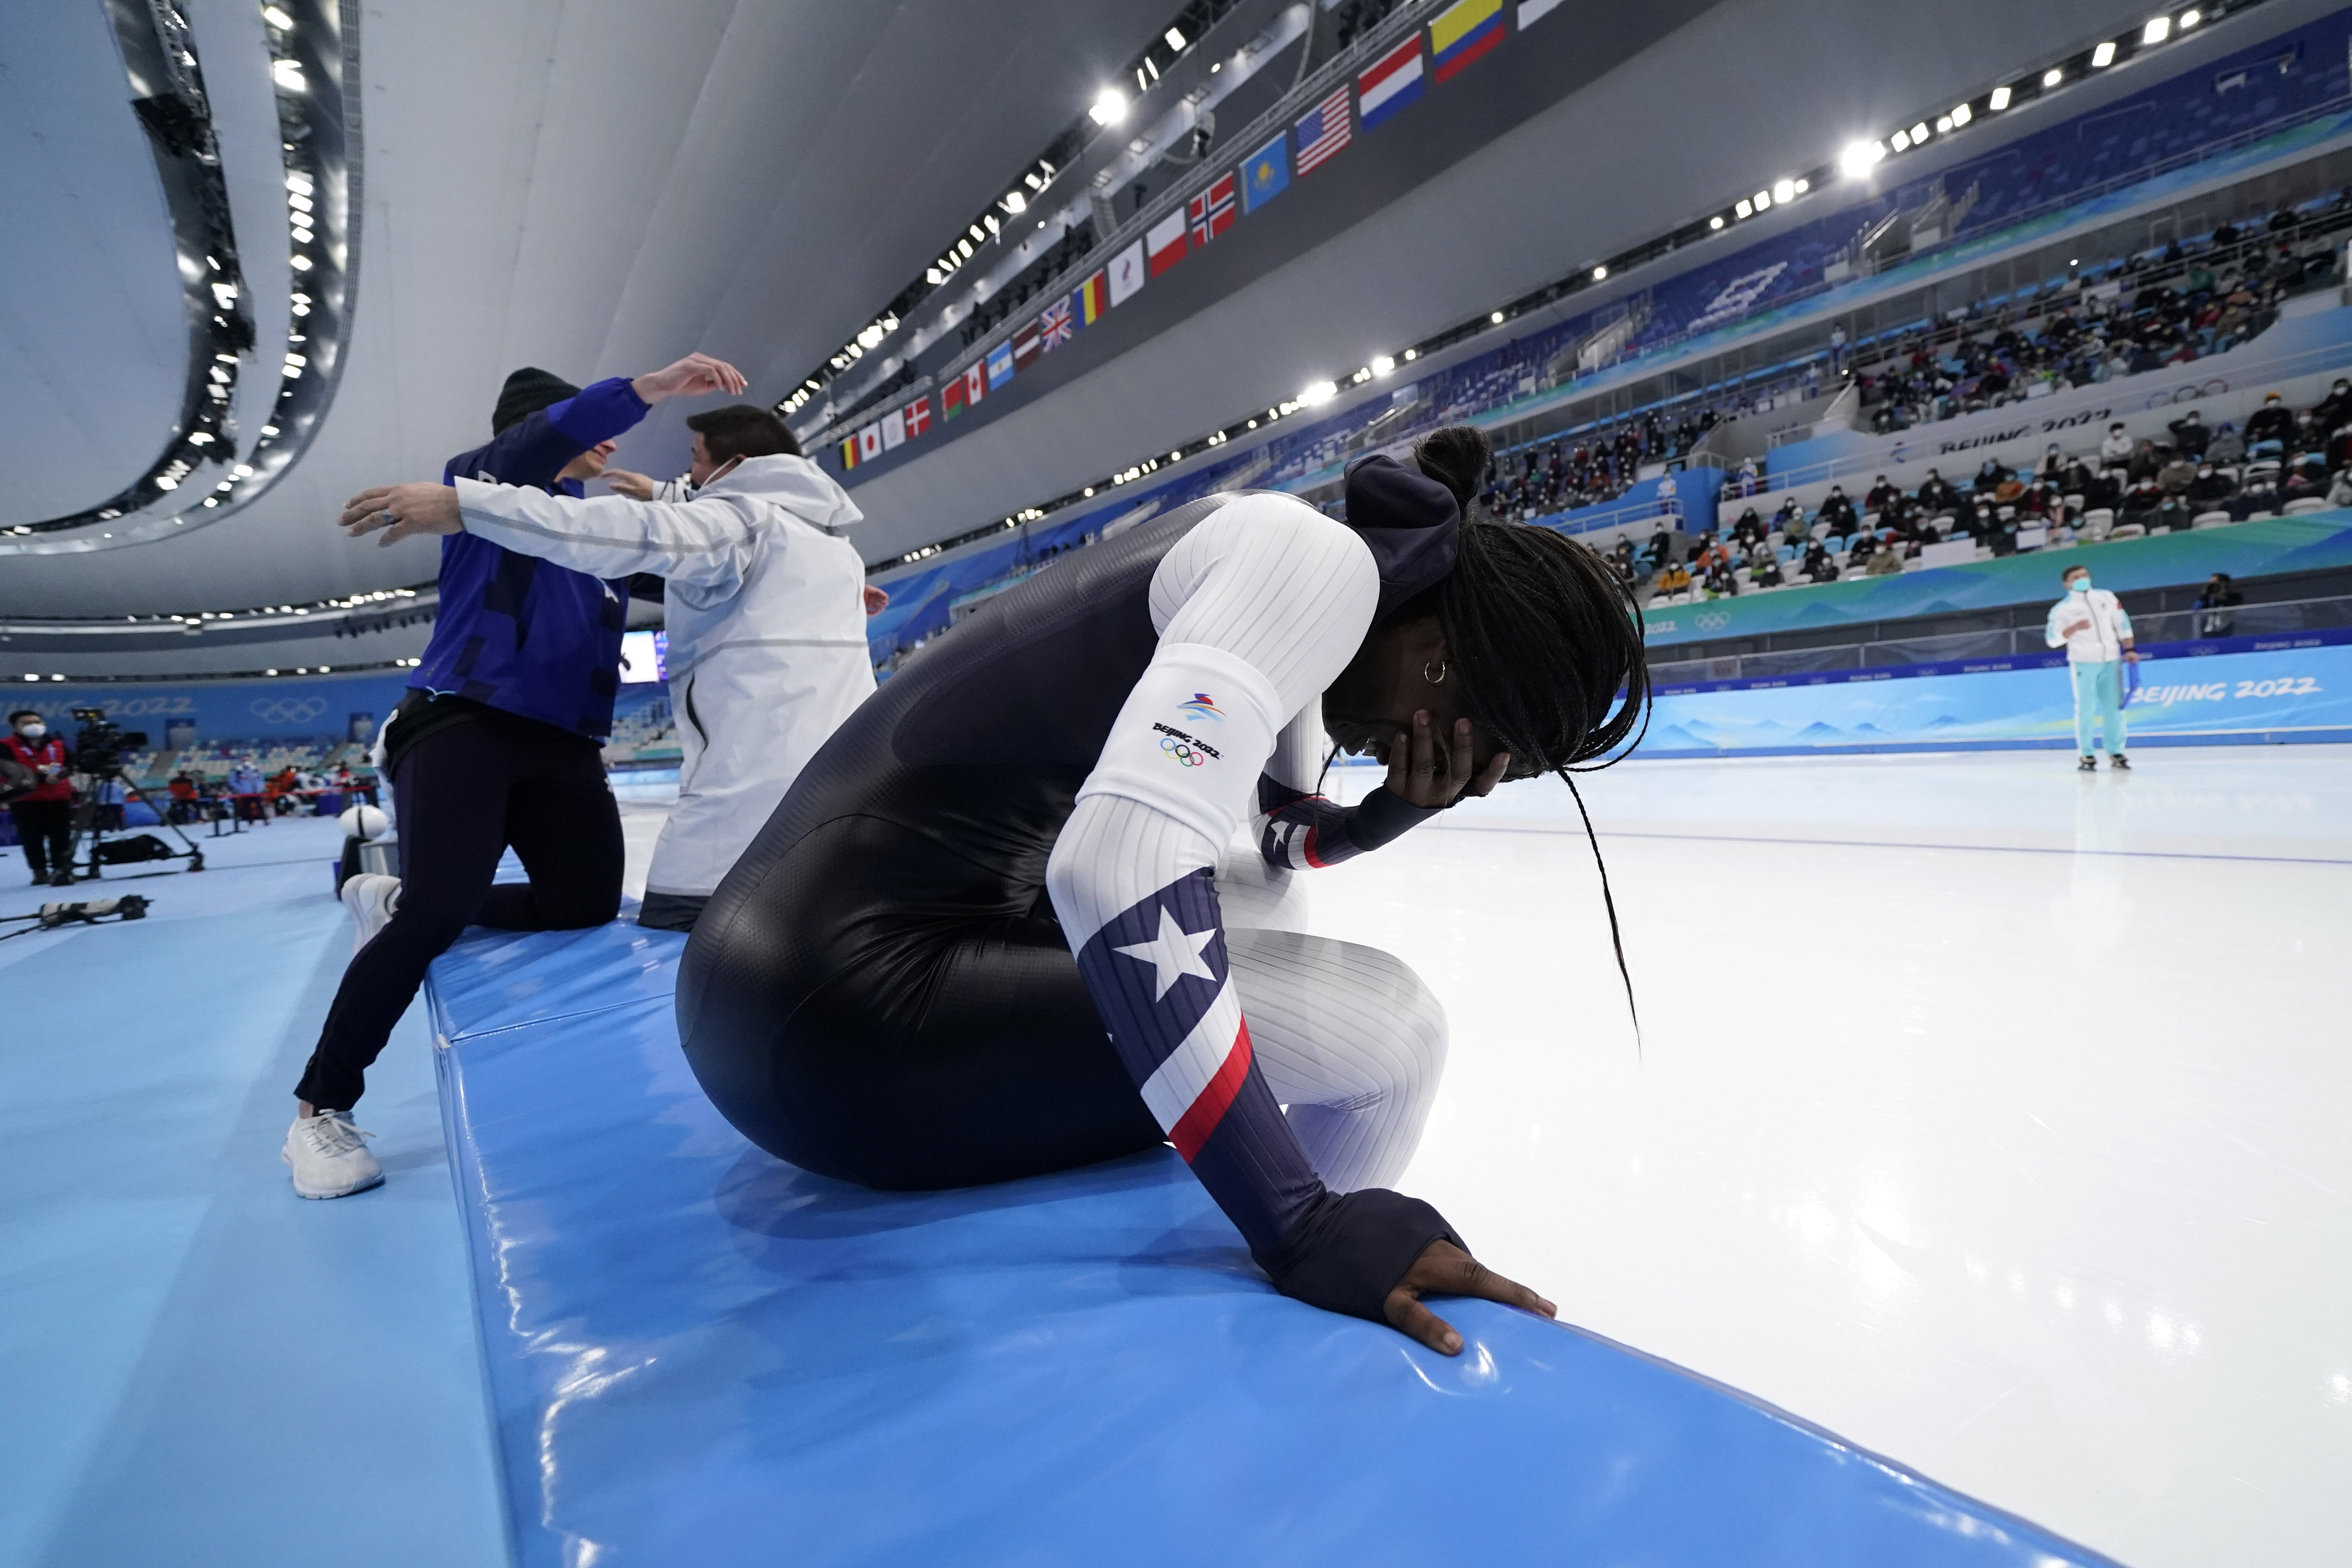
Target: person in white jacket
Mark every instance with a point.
(765, 608)
(2090, 623)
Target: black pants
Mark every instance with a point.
(463, 794)
(45, 827)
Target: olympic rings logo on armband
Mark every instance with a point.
(1182, 752)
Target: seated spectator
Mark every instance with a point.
(1991, 476)
(1661, 545)
(1722, 582)
(1674, 579)
(1884, 562)
(2209, 490)
(2115, 452)
(1789, 519)
(2146, 462)
(1817, 564)
(2141, 504)
(1837, 511)
(2214, 604)
(2272, 422)
(2335, 410)
(1881, 496)
(1865, 545)
(2177, 475)
(1749, 528)
(2226, 447)
(2074, 478)
(1935, 494)
(2306, 476)
(2190, 436)
(1710, 554)
(1764, 569)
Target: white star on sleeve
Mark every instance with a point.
(1174, 951)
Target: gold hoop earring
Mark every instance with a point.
(1439, 679)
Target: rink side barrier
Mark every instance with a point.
(698, 1354)
(2228, 691)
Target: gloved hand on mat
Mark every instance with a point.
(1374, 1254)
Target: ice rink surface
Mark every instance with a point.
(1993, 1115)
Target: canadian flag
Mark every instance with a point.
(976, 381)
(919, 416)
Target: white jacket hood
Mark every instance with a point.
(797, 485)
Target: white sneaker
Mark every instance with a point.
(371, 897)
(329, 1156)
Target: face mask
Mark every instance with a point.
(32, 732)
(2080, 586)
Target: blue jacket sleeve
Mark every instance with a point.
(533, 449)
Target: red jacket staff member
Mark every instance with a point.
(45, 814)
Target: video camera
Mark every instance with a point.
(100, 746)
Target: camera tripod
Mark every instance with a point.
(96, 857)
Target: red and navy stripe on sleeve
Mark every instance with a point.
(1158, 974)
(1307, 831)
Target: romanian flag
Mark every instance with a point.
(1461, 33)
(1093, 298)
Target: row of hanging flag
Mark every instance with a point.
(1455, 38)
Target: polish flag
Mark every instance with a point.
(1164, 242)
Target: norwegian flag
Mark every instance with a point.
(1212, 212)
(919, 416)
(1056, 326)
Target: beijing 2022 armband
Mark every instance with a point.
(1191, 739)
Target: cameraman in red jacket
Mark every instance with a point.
(45, 813)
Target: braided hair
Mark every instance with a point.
(1548, 640)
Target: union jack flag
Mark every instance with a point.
(1212, 212)
(1323, 131)
(1055, 327)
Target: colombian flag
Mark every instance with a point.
(1093, 298)
(1462, 32)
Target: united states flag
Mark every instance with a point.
(1323, 131)
(1055, 328)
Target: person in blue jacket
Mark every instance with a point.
(497, 743)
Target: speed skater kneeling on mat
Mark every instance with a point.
(1036, 903)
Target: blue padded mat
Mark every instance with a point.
(699, 1355)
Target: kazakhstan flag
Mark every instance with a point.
(1266, 172)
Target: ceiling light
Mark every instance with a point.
(1804, 186)
(286, 74)
(1413, 354)
(1015, 202)
(1761, 201)
(1715, 222)
(1785, 190)
(1918, 134)
(1109, 107)
(1175, 39)
(2189, 19)
(1999, 100)
(1901, 140)
(1962, 114)
(1496, 317)
(1943, 124)
(2053, 77)
(276, 18)
(2158, 28)
(2103, 56)
(1598, 273)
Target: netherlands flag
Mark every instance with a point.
(1462, 32)
(1324, 131)
(1393, 81)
